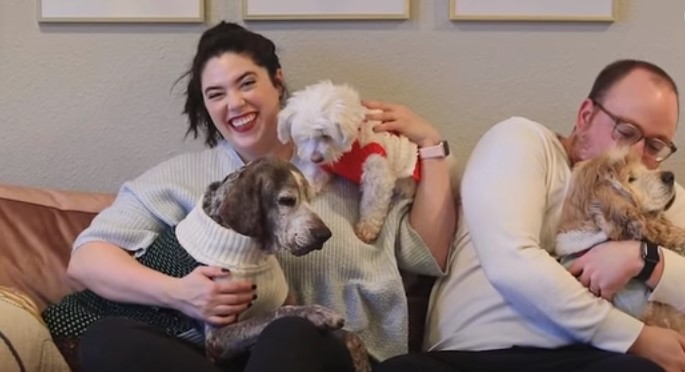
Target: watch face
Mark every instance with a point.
(650, 252)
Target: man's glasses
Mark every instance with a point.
(630, 134)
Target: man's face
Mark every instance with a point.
(638, 99)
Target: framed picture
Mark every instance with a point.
(121, 11)
(325, 9)
(533, 10)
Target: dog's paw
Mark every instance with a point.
(318, 186)
(323, 317)
(358, 352)
(320, 316)
(366, 232)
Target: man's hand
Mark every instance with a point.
(608, 267)
(662, 346)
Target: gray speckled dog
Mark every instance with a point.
(268, 201)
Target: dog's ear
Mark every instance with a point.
(597, 196)
(346, 126)
(242, 209)
(285, 118)
(214, 196)
(337, 133)
(611, 205)
(617, 217)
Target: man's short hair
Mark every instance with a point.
(614, 72)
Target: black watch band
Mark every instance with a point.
(650, 254)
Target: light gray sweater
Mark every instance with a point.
(359, 280)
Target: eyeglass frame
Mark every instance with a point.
(618, 120)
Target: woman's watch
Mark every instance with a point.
(650, 254)
(441, 150)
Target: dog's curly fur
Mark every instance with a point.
(615, 197)
(268, 200)
(324, 120)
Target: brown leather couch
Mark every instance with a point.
(38, 226)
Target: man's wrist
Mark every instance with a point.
(649, 252)
(639, 262)
(658, 272)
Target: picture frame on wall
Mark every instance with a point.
(533, 10)
(121, 11)
(265, 10)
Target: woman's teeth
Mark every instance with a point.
(243, 120)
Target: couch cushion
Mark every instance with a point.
(25, 343)
(37, 229)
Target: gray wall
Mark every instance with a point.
(90, 106)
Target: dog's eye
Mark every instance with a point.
(287, 201)
(632, 179)
(326, 138)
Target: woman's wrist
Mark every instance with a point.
(168, 295)
(431, 139)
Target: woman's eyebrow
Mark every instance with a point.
(244, 75)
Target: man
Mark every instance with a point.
(507, 304)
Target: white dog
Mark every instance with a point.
(326, 123)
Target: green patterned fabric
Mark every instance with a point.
(75, 312)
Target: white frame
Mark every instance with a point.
(270, 10)
(534, 10)
(121, 11)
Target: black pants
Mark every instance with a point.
(287, 344)
(567, 359)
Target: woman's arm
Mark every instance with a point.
(103, 255)
(433, 212)
(113, 273)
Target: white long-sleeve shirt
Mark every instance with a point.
(504, 287)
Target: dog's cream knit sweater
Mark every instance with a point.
(360, 281)
(211, 244)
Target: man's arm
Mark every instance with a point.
(668, 278)
(505, 200)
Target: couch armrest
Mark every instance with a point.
(37, 229)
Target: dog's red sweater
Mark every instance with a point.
(350, 165)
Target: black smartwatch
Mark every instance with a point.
(650, 254)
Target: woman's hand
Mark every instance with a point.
(208, 294)
(608, 267)
(398, 118)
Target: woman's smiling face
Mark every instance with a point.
(243, 102)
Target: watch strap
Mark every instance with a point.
(440, 150)
(650, 255)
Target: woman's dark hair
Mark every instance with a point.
(222, 38)
(614, 72)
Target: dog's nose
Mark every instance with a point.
(667, 178)
(321, 234)
(317, 158)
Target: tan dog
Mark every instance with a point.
(615, 197)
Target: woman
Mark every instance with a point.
(235, 89)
